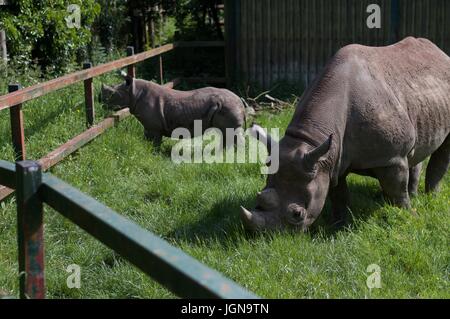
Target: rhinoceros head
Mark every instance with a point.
(295, 195)
(118, 96)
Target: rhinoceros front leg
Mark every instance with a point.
(339, 196)
(154, 137)
(394, 182)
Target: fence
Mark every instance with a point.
(168, 265)
(13, 101)
(273, 40)
(165, 263)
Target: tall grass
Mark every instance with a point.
(195, 207)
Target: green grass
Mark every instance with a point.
(195, 207)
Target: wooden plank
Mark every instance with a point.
(32, 92)
(120, 115)
(8, 178)
(17, 130)
(89, 98)
(74, 144)
(5, 192)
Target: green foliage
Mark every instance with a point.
(196, 19)
(111, 24)
(37, 31)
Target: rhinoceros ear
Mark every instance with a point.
(312, 158)
(129, 80)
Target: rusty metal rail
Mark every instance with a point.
(170, 266)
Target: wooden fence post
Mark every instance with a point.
(161, 71)
(30, 230)
(17, 131)
(89, 97)
(131, 68)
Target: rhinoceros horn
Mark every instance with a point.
(312, 157)
(252, 220)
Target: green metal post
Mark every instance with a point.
(30, 230)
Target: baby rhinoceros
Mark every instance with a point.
(161, 110)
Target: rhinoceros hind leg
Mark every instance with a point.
(437, 166)
(394, 182)
(155, 138)
(414, 177)
(339, 196)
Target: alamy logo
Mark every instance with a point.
(374, 279)
(374, 19)
(74, 19)
(74, 279)
(208, 147)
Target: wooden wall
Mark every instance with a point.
(273, 40)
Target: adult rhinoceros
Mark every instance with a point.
(377, 111)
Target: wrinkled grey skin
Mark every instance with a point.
(161, 110)
(376, 111)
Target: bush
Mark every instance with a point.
(37, 32)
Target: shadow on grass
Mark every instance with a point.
(222, 223)
(364, 201)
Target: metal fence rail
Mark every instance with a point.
(171, 267)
